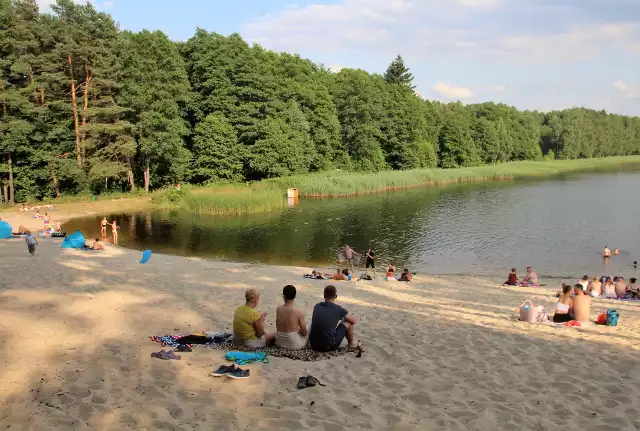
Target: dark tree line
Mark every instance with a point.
(88, 108)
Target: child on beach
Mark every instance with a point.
(32, 242)
(391, 269)
(512, 278)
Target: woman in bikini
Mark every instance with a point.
(114, 232)
(564, 305)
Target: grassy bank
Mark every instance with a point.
(350, 184)
(269, 195)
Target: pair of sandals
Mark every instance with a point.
(308, 382)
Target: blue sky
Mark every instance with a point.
(533, 54)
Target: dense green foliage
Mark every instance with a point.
(88, 108)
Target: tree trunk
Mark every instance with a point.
(85, 103)
(5, 193)
(31, 81)
(131, 182)
(146, 178)
(54, 179)
(74, 109)
(11, 200)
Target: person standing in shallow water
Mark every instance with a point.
(348, 254)
(103, 227)
(114, 231)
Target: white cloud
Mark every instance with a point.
(461, 28)
(108, 4)
(629, 91)
(452, 92)
(335, 68)
(45, 5)
(479, 4)
(498, 88)
(576, 43)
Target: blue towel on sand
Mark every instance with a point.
(146, 255)
(242, 358)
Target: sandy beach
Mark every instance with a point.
(439, 353)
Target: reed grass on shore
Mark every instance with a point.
(335, 184)
(270, 195)
(229, 199)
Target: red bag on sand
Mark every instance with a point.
(602, 319)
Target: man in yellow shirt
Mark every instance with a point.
(248, 324)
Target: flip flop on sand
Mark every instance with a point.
(312, 381)
(302, 382)
(162, 354)
(308, 382)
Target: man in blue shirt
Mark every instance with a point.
(330, 323)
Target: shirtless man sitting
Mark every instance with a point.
(531, 279)
(581, 305)
(291, 329)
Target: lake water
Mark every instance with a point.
(559, 226)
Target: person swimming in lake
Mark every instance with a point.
(606, 253)
(512, 278)
(616, 252)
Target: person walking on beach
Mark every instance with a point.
(103, 227)
(114, 231)
(371, 262)
(348, 254)
(32, 242)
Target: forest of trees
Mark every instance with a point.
(89, 108)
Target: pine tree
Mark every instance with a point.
(155, 88)
(398, 73)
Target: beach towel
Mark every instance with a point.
(146, 255)
(175, 341)
(243, 358)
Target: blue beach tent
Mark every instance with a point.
(75, 240)
(5, 230)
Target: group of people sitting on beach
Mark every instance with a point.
(349, 255)
(530, 280)
(574, 302)
(26, 208)
(330, 325)
(345, 275)
(610, 288)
